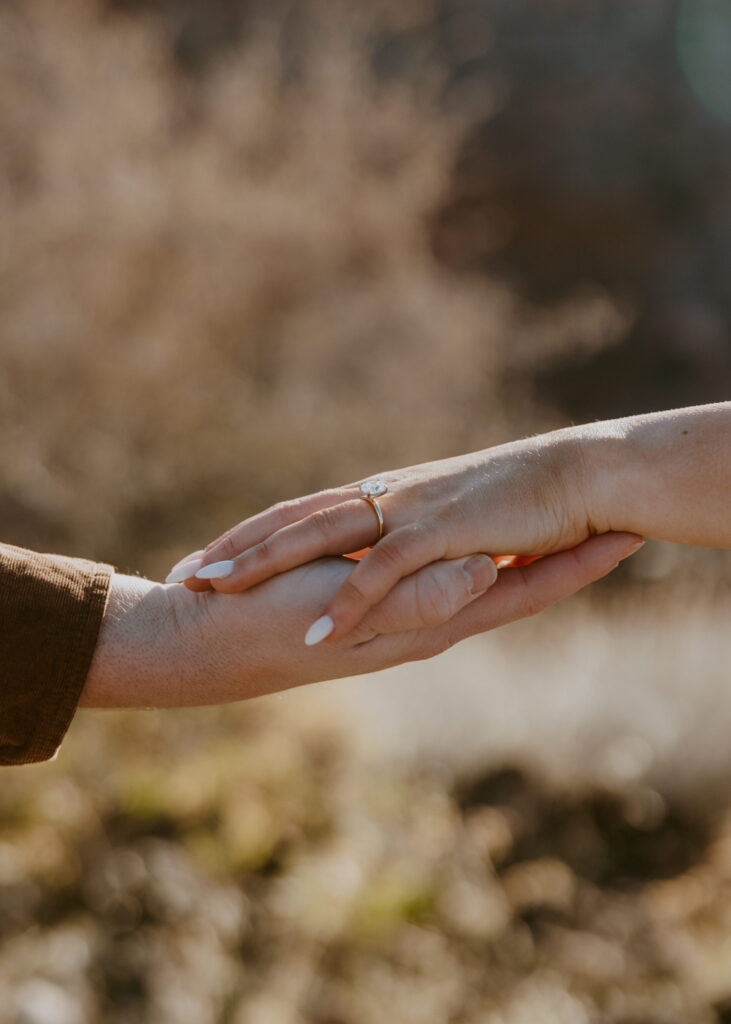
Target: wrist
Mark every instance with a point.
(563, 468)
(141, 648)
(611, 476)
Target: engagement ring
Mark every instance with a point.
(370, 490)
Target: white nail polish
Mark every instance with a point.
(184, 570)
(319, 630)
(190, 557)
(216, 570)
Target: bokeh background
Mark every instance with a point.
(250, 248)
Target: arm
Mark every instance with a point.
(665, 476)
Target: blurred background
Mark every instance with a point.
(251, 248)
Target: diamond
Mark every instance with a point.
(373, 488)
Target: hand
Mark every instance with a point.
(664, 475)
(524, 498)
(165, 647)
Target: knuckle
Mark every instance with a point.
(228, 547)
(441, 524)
(280, 512)
(285, 512)
(326, 521)
(363, 633)
(218, 542)
(444, 521)
(388, 555)
(414, 535)
(263, 552)
(436, 599)
(352, 593)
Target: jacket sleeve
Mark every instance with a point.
(51, 609)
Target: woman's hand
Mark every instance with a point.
(664, 475)
(524, 498)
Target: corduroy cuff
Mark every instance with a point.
(51, 608)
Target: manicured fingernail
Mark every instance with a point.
(635, 547)
(189, 558)
(216, 570)
(482, 570)
(319, 630)
(503, 563)
(184, 570)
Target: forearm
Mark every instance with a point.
(665, 475)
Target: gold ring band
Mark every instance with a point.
(370, 490)
(377, 509)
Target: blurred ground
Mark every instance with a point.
(529, 828)
(250, 249)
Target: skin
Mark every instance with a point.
(163, 646)
(666, 476)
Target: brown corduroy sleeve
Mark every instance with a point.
(51, 608)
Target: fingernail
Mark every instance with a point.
(635, 547)
(189, 558)
(503, 563)
(483, 573)
(319, 630)
(184, 570)
(216, 570)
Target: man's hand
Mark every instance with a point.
(167, 647)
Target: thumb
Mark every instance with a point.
(429, 597)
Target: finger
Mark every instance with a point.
(188, 558)
(185, 567)
(262, 525)
(197, 586)
(526, 591)
(429, 597)
(247, 533)
(184, 572)
(398, 555)
(515, 595)
(334, 530)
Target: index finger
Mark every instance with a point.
(334, 530)
(258, 527)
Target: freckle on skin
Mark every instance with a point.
(685, 431)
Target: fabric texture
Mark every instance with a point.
(51, 609)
